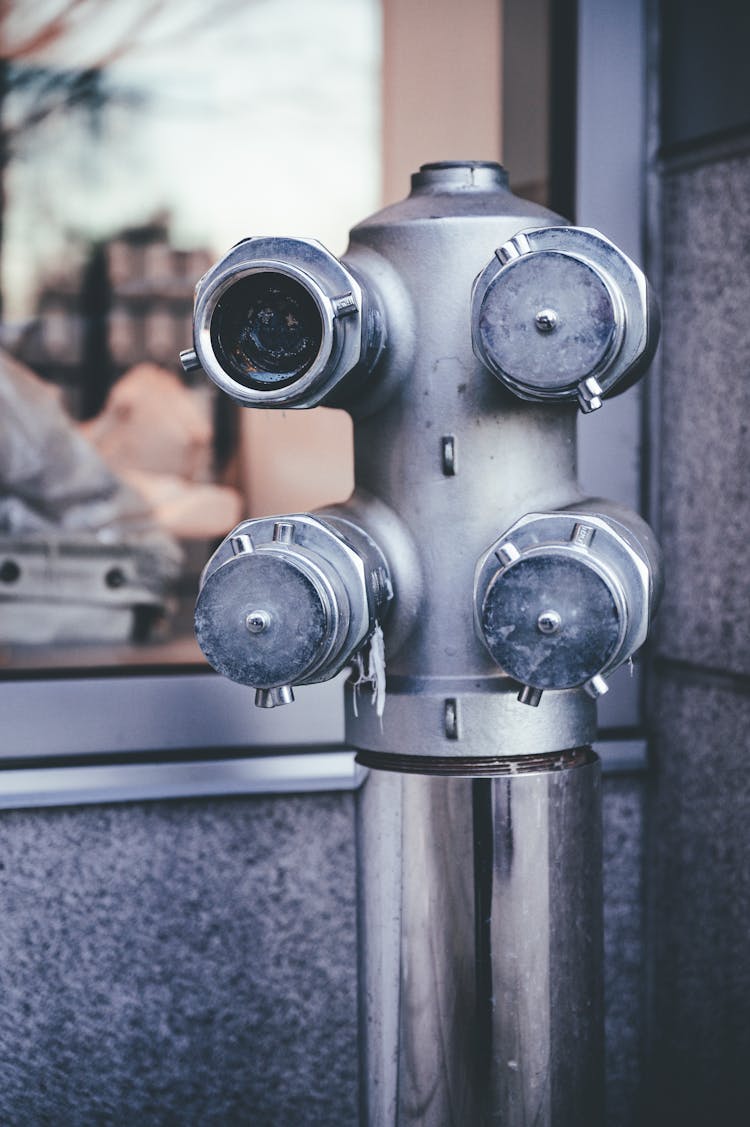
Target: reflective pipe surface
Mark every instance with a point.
(481, 946)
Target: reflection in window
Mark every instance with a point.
(140, 139)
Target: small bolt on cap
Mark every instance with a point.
(258, 621)
(546, 320)
(548, 622)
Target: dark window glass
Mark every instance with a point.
(705, 83)
(140, 140)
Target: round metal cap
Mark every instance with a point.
(547, 321)
(296, 615)
(550, 621)
(280, 321)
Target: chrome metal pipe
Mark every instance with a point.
(480, 932)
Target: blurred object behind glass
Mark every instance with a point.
(81, 556)
(139, 140)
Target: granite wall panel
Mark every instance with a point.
(705, 456)
(194, 963)
(623, 803)
(700, 897)
(698, 865)
(179, 963)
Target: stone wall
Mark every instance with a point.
(699, 866)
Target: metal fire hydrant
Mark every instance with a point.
(481, 597)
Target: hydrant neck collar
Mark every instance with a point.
(447, 175)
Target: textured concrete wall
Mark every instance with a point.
(623, 808)
(183, 963)
(705, 451)
(194, 963)
(699, 867)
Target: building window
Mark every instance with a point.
(140, 141)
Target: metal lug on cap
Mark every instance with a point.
(189, 360)
(514, 248)
(529, 695)
(283, 532)
(344, 304)
(241, 544)
(272, 698)
(597, 686)
(582, 534)
(507, 553)
(590, 395)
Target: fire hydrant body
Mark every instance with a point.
(476, 590)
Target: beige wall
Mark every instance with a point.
(441, 100)
(442, 79)
(525, 96)
(293, 461)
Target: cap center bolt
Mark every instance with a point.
(546, 320)
(257, 621)
(549, 622)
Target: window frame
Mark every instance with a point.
(125, 734)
